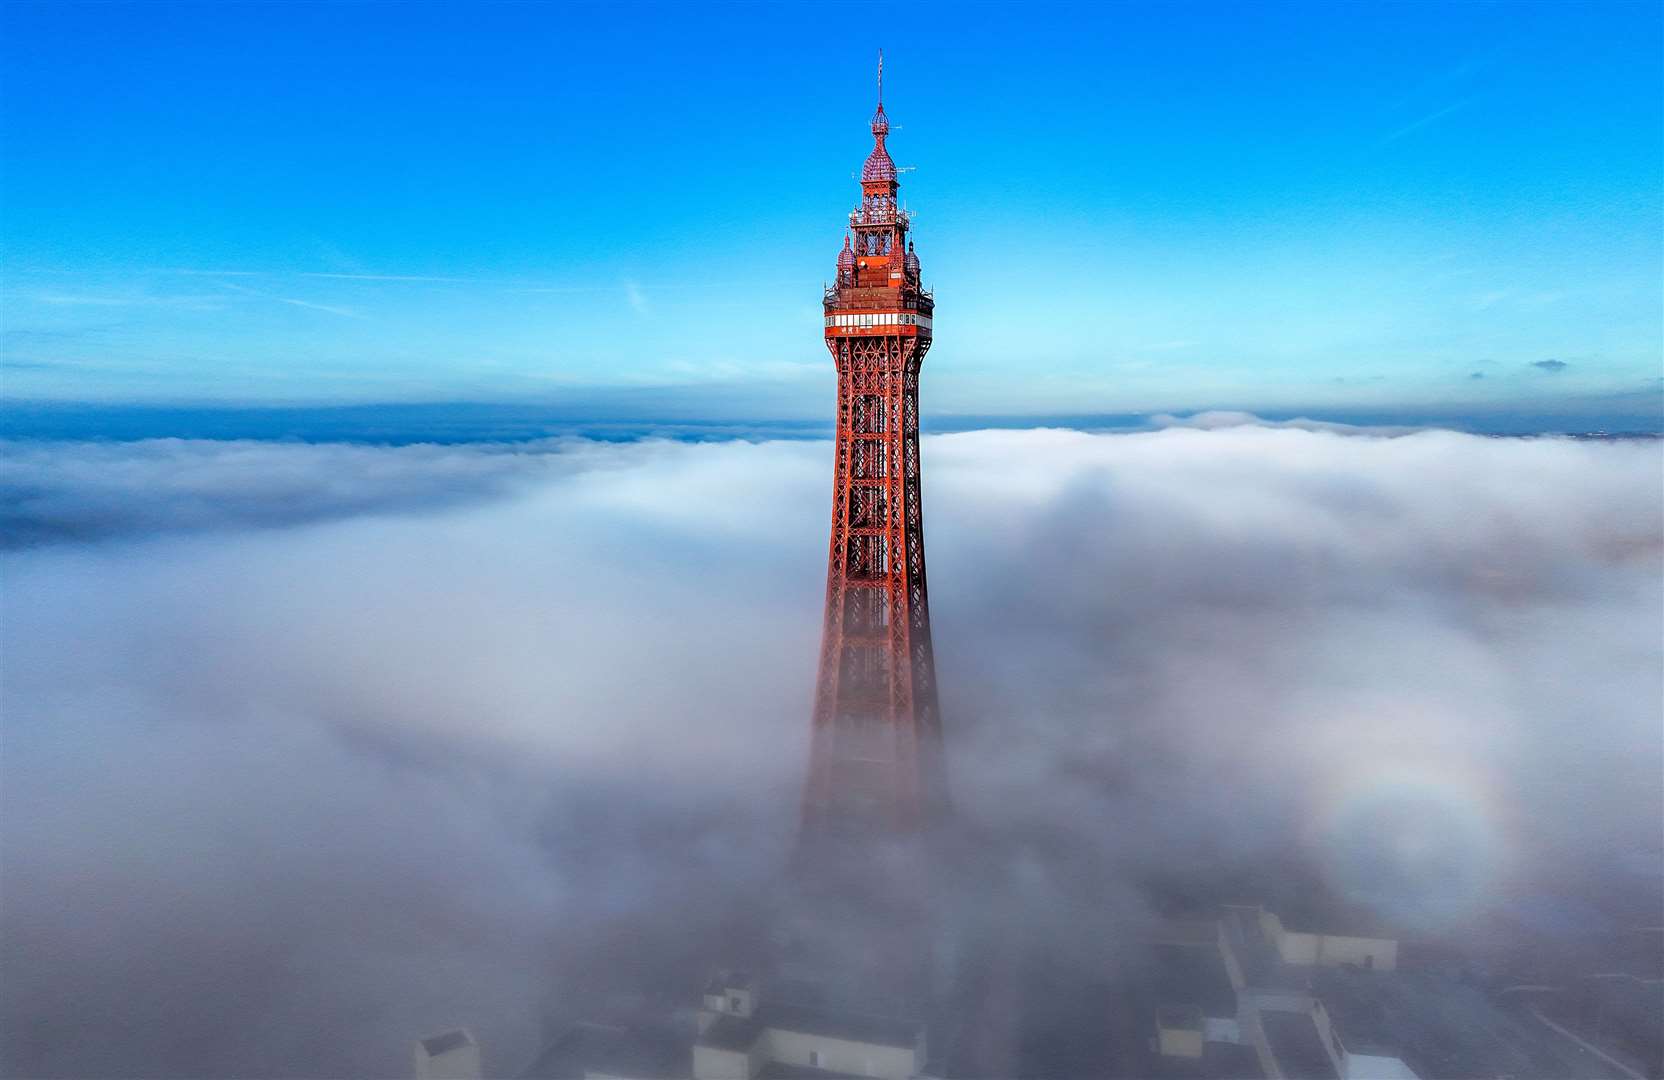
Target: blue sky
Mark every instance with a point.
(1121, 208)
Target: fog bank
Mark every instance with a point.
(312, 749)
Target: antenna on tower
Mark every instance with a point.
(880, 77)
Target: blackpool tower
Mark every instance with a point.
(875, 762)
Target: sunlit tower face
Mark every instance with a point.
(875, 762)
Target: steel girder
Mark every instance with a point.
(875, 758)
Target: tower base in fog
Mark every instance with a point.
(855, 916)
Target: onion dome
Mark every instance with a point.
(846, 257)
(911, 262)
(879, 166)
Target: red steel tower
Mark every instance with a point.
(875, 761)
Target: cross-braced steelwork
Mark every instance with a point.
(876, 755)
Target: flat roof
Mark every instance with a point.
(1442, 1027)
(1219, 1061)
(1298, 1047)
(728, 980)
(779, 1070)
(642, 1052)
(435, 1045)
(731, 1033)
(1190, 975)
(839, 1024)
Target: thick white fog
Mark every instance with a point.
(312, 749)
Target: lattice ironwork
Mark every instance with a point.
(875, 759)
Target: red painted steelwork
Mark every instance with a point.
(875, 761)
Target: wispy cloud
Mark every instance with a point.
(191, 272)
(1439, 83)
(1416, 125)
(67, 300)
(636, 292)
(1550, 365)
(438, 279)
(345, 312)
(559, 290)
(331, 309)
(1517, 297)
(1442, 84)
(132, 300)
(519, 284)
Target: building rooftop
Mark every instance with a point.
(1298, 1046)
(728, 980)
(434, 1045)
(1190, 975)
(616, 1051)
(780, 1070)
(731, 1033)
(1248, 943)
(840, 1024)
(740, 1032)
(1219, 1061)
(1443, 1027)
(1187, 932)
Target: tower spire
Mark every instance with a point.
(880, 78)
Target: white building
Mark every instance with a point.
(450, 1055)
(744, 1038)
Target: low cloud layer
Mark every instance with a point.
(53, 491)
(309, 750)
(1219, 419)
